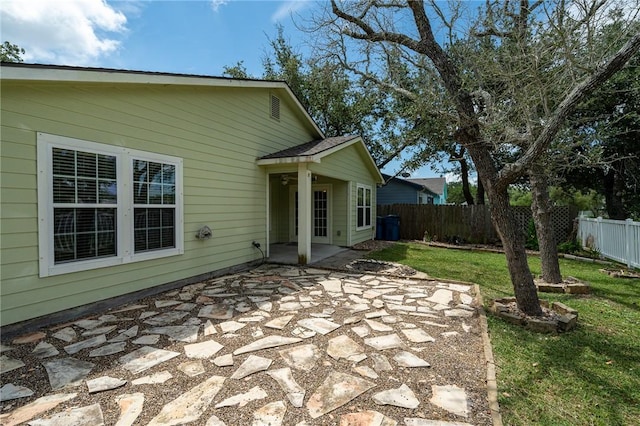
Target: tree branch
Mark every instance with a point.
(513, 171)
(368, 33)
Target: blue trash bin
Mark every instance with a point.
(391, 228)
(379, 228)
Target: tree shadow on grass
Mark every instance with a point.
(593, 371)
(626, 294)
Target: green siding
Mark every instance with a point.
(350, 164)
(219, 133)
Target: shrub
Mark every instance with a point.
(532, 239)
(572, 246)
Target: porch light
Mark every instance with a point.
(284, 179)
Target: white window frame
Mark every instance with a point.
(124, 207)
(365, 189)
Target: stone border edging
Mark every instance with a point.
(492, 383)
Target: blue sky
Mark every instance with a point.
(188, 36)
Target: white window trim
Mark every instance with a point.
(365, 187)
(124, 231)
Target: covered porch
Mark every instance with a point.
(315, 199)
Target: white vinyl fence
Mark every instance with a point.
(614, 239)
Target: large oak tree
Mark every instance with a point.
(502, 80)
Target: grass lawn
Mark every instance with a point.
(590, 376)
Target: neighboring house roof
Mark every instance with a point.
(436, 185)
(314, 151)
(408, 182)
(20, 71)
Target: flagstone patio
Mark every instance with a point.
(277, 345)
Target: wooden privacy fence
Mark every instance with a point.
(472, 224)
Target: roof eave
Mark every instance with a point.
(288, 160)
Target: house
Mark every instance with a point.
(436, 185)
(412, 191)
(118, 182)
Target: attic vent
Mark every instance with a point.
(275, 107)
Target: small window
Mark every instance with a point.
(363, 207)
(154, 187)
(275, 107)
(86, 193)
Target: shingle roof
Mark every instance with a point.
(434, 184)
(310, 148)
(408, 182)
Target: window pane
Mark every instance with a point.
(86, 164)
(153, 238)
(168, 194)
(64, 248)
(85, 245)
(64, 190)
(168, 237)
(367, 201)
(140, 171)
(106, 167)
(367, 216)
(107, 192)
(360, 217)
(64, 234)
(360, 196)
(85, 220)
(106, 220)
(155, 172)
(153, 218)
(106, 243)
(64, 162)
(140, 193)
(155, 193)
(168, 217)
(140, 218)
(168, 174)
(140, 240)
(87, 191)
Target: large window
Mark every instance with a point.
(363, 206)
(102, 205)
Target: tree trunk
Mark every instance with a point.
(464, 173)
(480, 193)
(513, 243)
(541, 210)
(510, 233)
(613, 202)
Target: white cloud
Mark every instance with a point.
(288, 8)
(215, 4)
(69, 32)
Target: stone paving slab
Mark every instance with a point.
(275, 345)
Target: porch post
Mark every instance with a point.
(304, 214)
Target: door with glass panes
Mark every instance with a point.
(320, 211)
